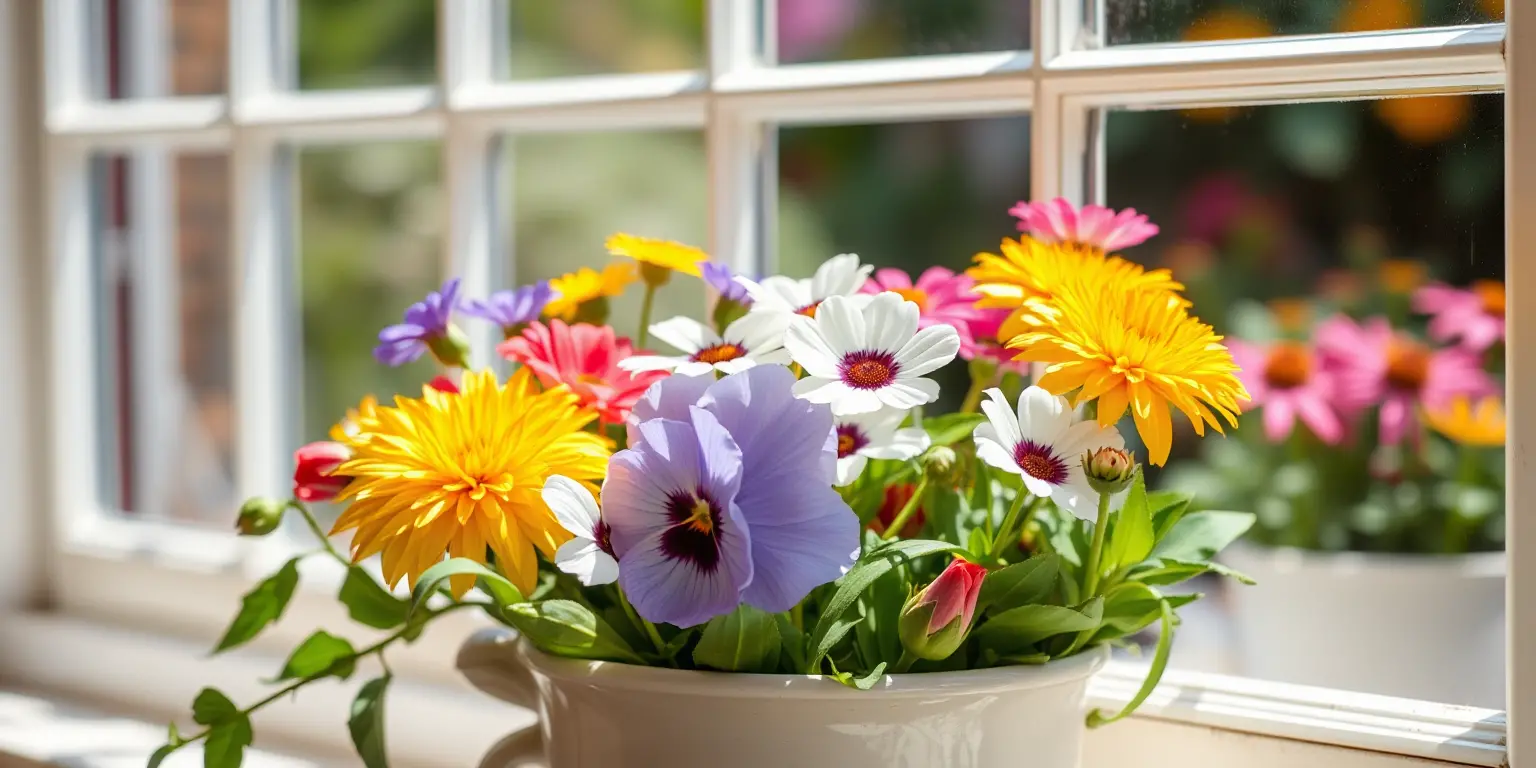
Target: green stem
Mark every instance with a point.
(645, 316)
(314, 526)
(1004, 532)
(904, 663)
(972, 400)
(645, 626)
(906, 511)
(1096, 551)
(1097, 718)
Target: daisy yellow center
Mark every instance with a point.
(1407, 365)
(1289, 366)
(1491, 294)
(719, 353)
(917, 296)
(844, 445)
(808, 310)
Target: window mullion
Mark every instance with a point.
(1520, 378)
(738, 146)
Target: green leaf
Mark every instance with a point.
(872, 566)
(225, 747)
(496, 585)
(1067, 536)
(1131, 538)
(366, 722)
(261, 606)
(1096, 718)
(1168, 507)
(868, 681)
(1168, 571)
(568, 628)
(161, 754)
(1019, 584)
(320, 653)
(744, 640)
(1128, 608)
(370, 604)
(1199, 536)
(1016, 629)
(792, 641)
(834, 634)
(212, 707)
(978, 544)
(952, 428)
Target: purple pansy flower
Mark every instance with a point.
(512, 309)
(426, 321)
(723, 280)
(725, 496)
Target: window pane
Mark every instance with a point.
(366, 43)
(370, 235)
(162, 47)
(591, 37)
(1290, 225)
(1151, 21)
(903, 195)
(571, 191)
(828, 30)
(166, 331)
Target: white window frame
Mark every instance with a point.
(107, 582)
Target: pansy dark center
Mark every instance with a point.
(809, 310)
(601, 533)
(1289, 365)
(695, 531)
(1491, 294)
(1040, 462)
(1407, 365)
(849, 440)
(719, 353)
(868, 369)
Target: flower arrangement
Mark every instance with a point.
(769, 495)
(1381, 426)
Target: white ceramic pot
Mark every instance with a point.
(604, 715)
(1425, 627)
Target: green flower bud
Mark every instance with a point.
(727, 312)
(593, 311)
(1109, 470)
(260, 515)
(654, 275)
(942, 465)
(450, 349)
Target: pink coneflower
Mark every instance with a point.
(942, 298)
(1286, 381)
(1473, 315)
(1057, 221)
(586, 359)
(1372, 364)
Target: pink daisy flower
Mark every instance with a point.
(1057, 221)
(985, 342)
(1286, 381)
(1474, 315)
(942, 298)
(586, 359)
(1372, 364)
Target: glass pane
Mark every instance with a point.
(830, 30)
(166, 330)
(366, 43)
(903, 195)
(162, 47)
(1294, 227)
(650, 184)
(1152, 21)
(370, 237)
(592, 37)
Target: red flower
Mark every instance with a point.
(313, 478)
(444, 384)
(896, 496)
(586, 359)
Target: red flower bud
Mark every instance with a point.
(313, 478)
(935, 621)
(444, 384)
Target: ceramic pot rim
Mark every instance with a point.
(1473, 565)
(606, 674)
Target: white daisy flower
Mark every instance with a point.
(589, 556)
(862, 359)
(1044, 443)
(751, 340)
(841, 275)
(878, 435)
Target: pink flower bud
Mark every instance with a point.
(444, 384)
(936, 619)
(315, 463)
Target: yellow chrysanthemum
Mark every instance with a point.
(659, 253)
(351, 426)
(1029, 269)
(577, 288)
(1460, 421)
(459, 472)
(1126, 345)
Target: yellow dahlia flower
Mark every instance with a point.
(460, 472)
(1482, 425)
(574, 289)
(1127, 345)
(657, 253)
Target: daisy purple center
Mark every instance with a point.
(849, 440)
(719, 353)
(868, 369)
(694, 534)
(601, 533)
(1040, 462)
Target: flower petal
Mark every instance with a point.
(903, 393)
(890, 321)
(808, 347)
(930, 349)
(685, 333)
(590, 565)
(572, 504)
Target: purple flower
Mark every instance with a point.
(512, 309)
(426, 322)
(720, 278)
(725, 497)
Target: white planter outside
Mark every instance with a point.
(1427, 627)
(605, 715)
